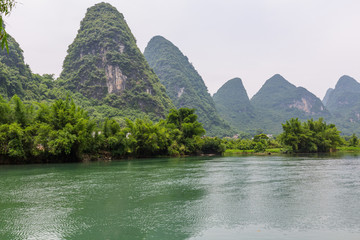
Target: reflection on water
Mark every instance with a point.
(255, 197)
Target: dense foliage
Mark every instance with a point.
(257, 143)
(104, 52)
(105, 64)
(309, 136)
(183, 84)
(5, 8)
(61, 131)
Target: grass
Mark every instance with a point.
(341, 149)
(239, 151)
(348, 149)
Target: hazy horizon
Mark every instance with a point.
(310, 43)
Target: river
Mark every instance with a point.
(243, 197)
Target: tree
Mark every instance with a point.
(310, 136)
(262, 141)
(186, 131)
(354, 140)
(5, 8)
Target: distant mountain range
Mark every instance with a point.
(278, 100)
(105, 73)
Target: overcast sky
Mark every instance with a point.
(312, 43)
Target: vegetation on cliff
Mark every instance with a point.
(183, 84)
(105, 64)
(278, 100)
(344, 103)
(233, 105)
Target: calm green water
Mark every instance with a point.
(249, 197)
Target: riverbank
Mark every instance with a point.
(343, 149)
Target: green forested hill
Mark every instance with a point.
(104, 64)
(183, 83)
(106, 74)
(233, 105)
(17, 78)
(344, 104)
(278, 100)
(14, 74)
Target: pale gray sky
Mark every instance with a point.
(310, 42)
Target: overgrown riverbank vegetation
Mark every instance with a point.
(62, 131)
(311, 136)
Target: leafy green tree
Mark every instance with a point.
(5, 111)
(261, 142)
(11, 140)
(147, 138)
(354, 141)
(186, 131)
(22, 113)
(5, 8)
(310, 136)
(260, 147)
(213, 145)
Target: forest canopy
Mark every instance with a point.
(62, 131)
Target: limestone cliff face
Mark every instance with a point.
(278, 100)
(115, 79)
(307, 102)
(104, 60)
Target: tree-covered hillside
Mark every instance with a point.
(233, 105)
(183, 83)
(344, 104)
(105, 64)
(17, 78)
(278, 100)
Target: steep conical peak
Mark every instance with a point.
(348, 83)
(159, 45)
(232, 89)
(278, 81)
(344, 101)
(274, 86)
(327, 96)
(104, 60)
(183, 84)
(232, 102)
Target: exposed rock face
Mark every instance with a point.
(183, 83)
(345, 94)
(104, 59)
(303, 105)
(344, 103)
(115, 80)
(278, 100)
